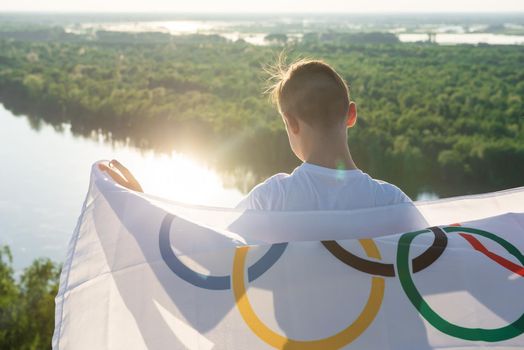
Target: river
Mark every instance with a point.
(229, 30)
(46, 173)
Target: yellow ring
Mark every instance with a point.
(336, 341)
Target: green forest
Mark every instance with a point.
(27, 303)
(447, 117)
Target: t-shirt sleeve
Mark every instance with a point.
(251, 200)
(264, 196)
(389, 194)
(402, 197)
(398, 195)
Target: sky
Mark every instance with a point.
(242, 6)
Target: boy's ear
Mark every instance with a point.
(292, 123)
(352, 115)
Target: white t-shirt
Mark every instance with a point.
(312, 187)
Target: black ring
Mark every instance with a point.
(419, 263)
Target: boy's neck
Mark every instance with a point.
(330, 154)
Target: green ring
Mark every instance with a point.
(489, 335)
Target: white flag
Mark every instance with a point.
(147, 273)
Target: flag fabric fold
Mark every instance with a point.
(144, 272)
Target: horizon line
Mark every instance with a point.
(234, 13)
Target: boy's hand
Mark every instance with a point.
(124, 178)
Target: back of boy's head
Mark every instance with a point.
(312, 91)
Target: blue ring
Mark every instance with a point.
(211, 282)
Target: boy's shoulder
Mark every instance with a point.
(261, 194)
(387, 194)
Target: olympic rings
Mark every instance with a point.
(336, 341)
(490, 335)
(205, 281)
(422, 261)
(354, 330)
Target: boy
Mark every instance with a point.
(314, 103)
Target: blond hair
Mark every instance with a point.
(310, 90)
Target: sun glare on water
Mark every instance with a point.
(181, 178)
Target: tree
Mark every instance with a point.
(27, 306)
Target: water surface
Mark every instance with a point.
(45, 175)
(443, 35)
